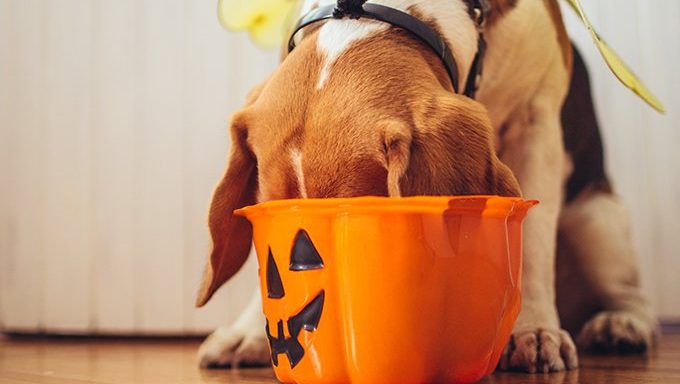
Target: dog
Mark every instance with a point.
(361, 107)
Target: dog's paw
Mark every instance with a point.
(233, 347)
(616, 332)
(539, 351)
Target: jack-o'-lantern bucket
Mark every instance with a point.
(388, 290)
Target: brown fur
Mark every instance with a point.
(352, 139)
(562, 36)
(386, 123)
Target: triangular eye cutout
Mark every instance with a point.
(274, 284)
(304, 256)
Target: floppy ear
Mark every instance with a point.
(505, 182)
(452, 151)
(396, 147)
(231, 235)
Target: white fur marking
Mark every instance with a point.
(451, 17)
(337, 35)
(296, 157)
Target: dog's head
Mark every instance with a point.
(380, 120)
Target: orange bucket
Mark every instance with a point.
(388, 290)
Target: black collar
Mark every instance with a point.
(403, 20)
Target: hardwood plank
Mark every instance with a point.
(113, 132)
(57, 361)
(113, 361)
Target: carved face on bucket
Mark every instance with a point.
(303, 257)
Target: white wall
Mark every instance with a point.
(113, 118)
(113, 132)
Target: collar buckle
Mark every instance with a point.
(480, 8)
(351, 8)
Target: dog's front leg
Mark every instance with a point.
(533, 149)
(243, 343)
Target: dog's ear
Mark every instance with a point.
(231, 235)
(505, 182)
(396, 140)
(452, 151)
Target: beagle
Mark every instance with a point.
(367, 106)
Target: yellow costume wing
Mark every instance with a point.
(615, 63)
(267, 21)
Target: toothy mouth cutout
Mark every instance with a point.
(303, 257)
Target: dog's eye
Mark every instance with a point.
(304, 256)
(274, 284)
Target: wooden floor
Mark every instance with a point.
(79, 361)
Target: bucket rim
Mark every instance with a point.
(500, 205)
